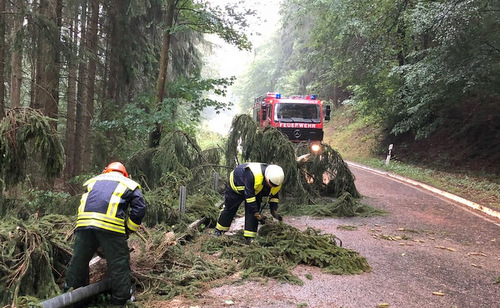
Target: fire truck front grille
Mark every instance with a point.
(303, 134)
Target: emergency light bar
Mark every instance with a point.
(278, 96)
(272, 94)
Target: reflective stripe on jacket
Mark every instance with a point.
(248, 180)
(105, 203)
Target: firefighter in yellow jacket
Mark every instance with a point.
(111, 209)
(250, 182)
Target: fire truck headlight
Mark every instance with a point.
(315, 148)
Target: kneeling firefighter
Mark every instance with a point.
(250, 182)
(111, 209)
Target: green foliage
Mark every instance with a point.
(409, 64)
(178, 161)
(208, 139)
(344, 206)
(325, 173)
(23, 132)
(266, 145)
(31, 250)
(229, 23)
(163, 208)
(190, 96)
(47, 201)
(29, 202)
(305, 179)
(181, 110)
(280, 247)
(243, 130)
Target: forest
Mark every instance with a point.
(110, 78)
(87, 82)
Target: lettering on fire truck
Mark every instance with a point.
(299, 125)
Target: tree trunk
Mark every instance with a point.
(16, 75)
(91, 72)
(117, 78)
(71, 107)
(155, 136)
(2, 59)
(33, 30)
(80, 96)
(47, 74)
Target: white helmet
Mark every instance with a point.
(274, 174)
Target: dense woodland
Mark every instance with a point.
(109, 76)
(112, 77)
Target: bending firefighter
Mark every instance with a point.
(105, 220)
(250, 183)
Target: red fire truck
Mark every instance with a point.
(300, 117)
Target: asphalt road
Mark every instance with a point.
(426, 252)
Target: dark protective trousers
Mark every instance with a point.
(232, 202)
(117, 254)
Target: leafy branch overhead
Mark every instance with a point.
(229, 22)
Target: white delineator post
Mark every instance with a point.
(388, 158)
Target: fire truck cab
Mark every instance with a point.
(299, 117)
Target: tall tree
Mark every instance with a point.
(92, 44)
(71, 92)
(155, 136)
(228, 23)
(47, 66)
(16, 75)
(117, 79)
(80, 132)
(2, 59)
(165, 47)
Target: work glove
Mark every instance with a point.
(276, 215)
(261, 218)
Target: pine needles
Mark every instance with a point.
(308, 181)
(310, 247)
(25, 131)
(343, 206)
(280, 247)
(267, 145)
(326, 173)
(30, 252)
(177, 161)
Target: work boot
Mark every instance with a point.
(249, 240)
(218, 232)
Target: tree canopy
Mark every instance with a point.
(103, 74)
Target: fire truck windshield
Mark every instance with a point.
(297, 112)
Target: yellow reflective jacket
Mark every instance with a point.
(248, 180)
(105, 203)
